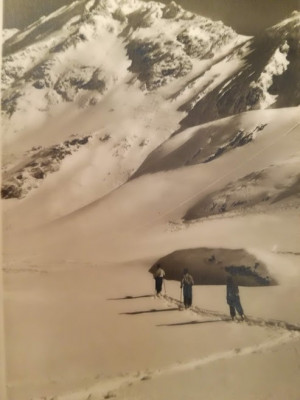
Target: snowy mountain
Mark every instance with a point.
(103, 91)
(80, 52)
(81, 58)
(100, 93)
(135, 133)
(77, 60)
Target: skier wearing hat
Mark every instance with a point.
(159, 276)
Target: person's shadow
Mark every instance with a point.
(132, 297)
(194, 322)
(153, 310)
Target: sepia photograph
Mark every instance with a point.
(150, 200)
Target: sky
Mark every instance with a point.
(245, 16)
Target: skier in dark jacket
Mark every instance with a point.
(186, 284)
(233, 299)
(159, 276)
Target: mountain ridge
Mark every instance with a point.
(200, 69)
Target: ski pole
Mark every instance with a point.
(165, 287)
(180, 294)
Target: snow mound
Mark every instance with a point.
(212, 266)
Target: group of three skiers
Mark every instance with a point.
(187, 282)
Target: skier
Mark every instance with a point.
(159, 276)
(233, 299)
(186, 284)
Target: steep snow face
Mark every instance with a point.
(287, 85)
(291, 24)
(268, 78)
(276, 66)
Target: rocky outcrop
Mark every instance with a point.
(82, 78)
(159, 58)
(156, 63)
(20, 180)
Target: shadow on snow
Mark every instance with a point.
(193, 322)
(131, 297)
(153, 310)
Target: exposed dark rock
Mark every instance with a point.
(55, 152)
(105, 138)
(119, 16)
(9, 103)
(81, 78)
(140, 18)
(84, 140)
(97, 82)
(156, 64)
(82, 37)
(37, 173)
(11, 191)
(195, 47)
(40, 84)
(77, 141)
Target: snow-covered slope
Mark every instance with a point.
(8, 33)
(211, 141)
(167, 195)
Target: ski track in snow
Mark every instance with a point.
(272, 323)
(108, 388)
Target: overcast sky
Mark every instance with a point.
(245, 16)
